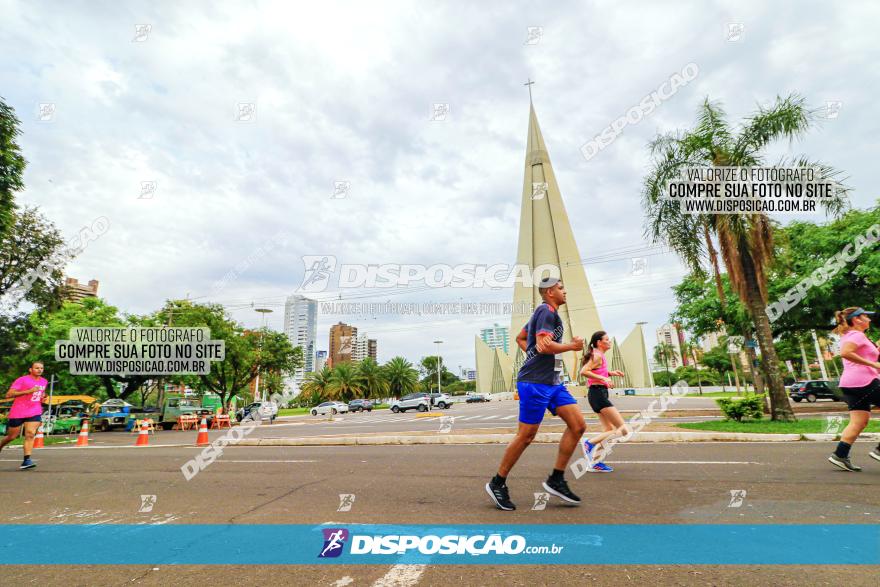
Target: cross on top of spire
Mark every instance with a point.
(529, 84)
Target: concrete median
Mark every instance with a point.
(545, 437)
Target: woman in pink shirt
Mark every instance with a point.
(595, 369)
(27, 410)
(860, 381)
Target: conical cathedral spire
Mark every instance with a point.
(546, 238)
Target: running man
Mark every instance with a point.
(26, 411)
(860, 381)
(599, 379)
(540, 388)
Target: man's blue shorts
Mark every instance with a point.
(534, 398)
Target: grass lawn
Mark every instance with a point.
(303, 411)
(717, 394)
(803, 426)
(60, 439)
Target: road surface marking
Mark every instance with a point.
(512, 416)
(263, 461)
(401, 576)
(685, 462)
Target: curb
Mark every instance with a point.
(541, 437)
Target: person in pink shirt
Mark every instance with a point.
(595, 369)
(859, 383)
(27, 410)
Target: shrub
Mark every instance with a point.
(751, 407)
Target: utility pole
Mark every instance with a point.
(819, 355)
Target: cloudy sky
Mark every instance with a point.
(344, 92)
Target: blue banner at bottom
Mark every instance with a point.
(269, 544)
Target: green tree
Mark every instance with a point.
(316, 387)
(664, 353)
(346, 383)
(745, 240)
(402, 377)
(46, 327)
(12, 164)
(375, 384)
(803, 249)
(428, 369)
(247, 351)
(32, 259)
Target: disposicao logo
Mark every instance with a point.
(334, 541)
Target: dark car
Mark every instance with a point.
(476, 398)
(359, 405)
(813, 390)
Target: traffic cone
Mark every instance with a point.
(38, 439)
(143, 438)
(202, 438)
(83, 438)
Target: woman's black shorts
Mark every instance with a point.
(597, 395)
(861, 398)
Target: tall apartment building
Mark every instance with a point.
(320, 360)
(671, 335)
(364, 347)
(496, 337)
(75, 291)
(343, 340)
(301, 329)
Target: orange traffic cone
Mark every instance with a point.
(202, 438)
(83, 438)
(38, 439)
(143, 436)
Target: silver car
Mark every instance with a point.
(329, 408)
(413, 401)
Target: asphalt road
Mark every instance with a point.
(654, 483)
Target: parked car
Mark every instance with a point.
(329, 408)
(813, 390)
(476, 398)
(359, 405)
(413, 401)
(260, 410)
(113, 413)
(441, 400)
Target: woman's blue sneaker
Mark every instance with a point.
(600, 468)
(27, 464)
(588, 447)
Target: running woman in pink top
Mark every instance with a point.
(27, 410)
(595, 368)
(860, 381)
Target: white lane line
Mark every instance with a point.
(470, 418)
(401, 576)
(263, 461)
(490, 417)
(685, 462)
(511, 417)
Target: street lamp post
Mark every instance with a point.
(262, 311)
(439, 364)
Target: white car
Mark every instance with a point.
(329, 408)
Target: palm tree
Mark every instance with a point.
(690, 349)
(401, 376)
(373, 378)
(345, 382)
(745, 240)
(663, 353)
(317, 385)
